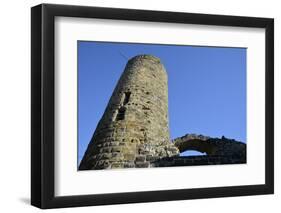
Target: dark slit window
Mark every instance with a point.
(127, 98)
(121, 114)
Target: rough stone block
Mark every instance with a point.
(140, 158)
(117, 165)
(129, 165)
(142, 164)
(129, 156)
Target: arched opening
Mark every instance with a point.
(197, 145)
(121, 114)
(192, 153)
(126, 98)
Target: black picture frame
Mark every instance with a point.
(43, 102)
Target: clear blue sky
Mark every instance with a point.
(206, 86)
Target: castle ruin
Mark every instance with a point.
(134, 130)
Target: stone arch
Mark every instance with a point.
(211, 146)
(197, 145)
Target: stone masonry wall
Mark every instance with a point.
(211, 146)
(218, 151)
(133, 130)
(199, 160)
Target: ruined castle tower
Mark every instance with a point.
(133, 131)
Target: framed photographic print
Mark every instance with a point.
(140, 106)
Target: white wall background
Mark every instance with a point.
(15, 105)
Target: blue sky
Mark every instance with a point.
(206, 87)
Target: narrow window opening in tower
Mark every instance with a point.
(114, 115)
(121, 114)
(127, 97)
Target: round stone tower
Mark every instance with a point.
(133, 131)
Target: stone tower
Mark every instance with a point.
(133, 131)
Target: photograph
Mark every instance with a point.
(146, 105)
(138, 105)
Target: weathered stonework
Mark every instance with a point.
(134, 132)
(218, 151)
(211, 146)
